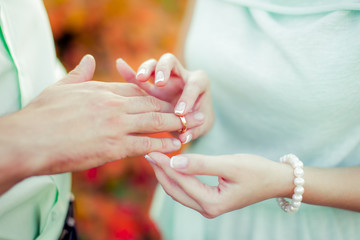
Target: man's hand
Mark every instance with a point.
(78, 124)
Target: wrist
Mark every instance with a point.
(283, 176)
(11, 166)
(15, 162)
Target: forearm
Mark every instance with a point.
(333, 187)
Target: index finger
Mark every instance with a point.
(196, 85)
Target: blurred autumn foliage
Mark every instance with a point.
(112, 201)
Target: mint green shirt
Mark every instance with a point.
(36, 207)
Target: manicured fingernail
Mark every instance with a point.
(142, 71)
(119, 60)
(188, 138)
(178, 162)
(149, 159)
(177, 143)
(86, 59)
(159, 77)
(199, 116)
(180, 108)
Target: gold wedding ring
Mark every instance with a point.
(183, 123)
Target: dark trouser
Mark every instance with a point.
(69, 231)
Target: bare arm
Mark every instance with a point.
(247, 179)
(333, 187)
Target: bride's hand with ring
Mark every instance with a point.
(188, 91)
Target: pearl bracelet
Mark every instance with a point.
(298, 181)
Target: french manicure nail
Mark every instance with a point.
(199, 116)
(85, 60)
(119, 60)
(178, 162)
(142, 71)
(180, 108)
(149, 159)
(188, 138)
(159, 77)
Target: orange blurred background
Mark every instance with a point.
(113, 201)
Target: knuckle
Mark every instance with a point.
(108, 150)
(158, 121)
(201, 73)
(164, 144)
(154, 103)
(106, 101)
(146, 144)
(140, 146)
(199, 76)
(96, 85)
(133, 89)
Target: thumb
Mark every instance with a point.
(83, 72)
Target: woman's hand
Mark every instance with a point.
(187, 91)
(243, 180)
(78, 124)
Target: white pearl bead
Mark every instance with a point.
(299, 164)
(299, 181)
(299, 190)
(287, 209)
(293, 209)
(298, 172)
(296, 204)
(297, 197)
(292, 161)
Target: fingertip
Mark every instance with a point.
(141, 75)
(177, 143)
(186, 137)
(88, 62)
(160, 79)
(88, 58)
(119, 61)
(121, 64)
(180, 108)
(149, 159)
(179, 162)
(158, 158)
